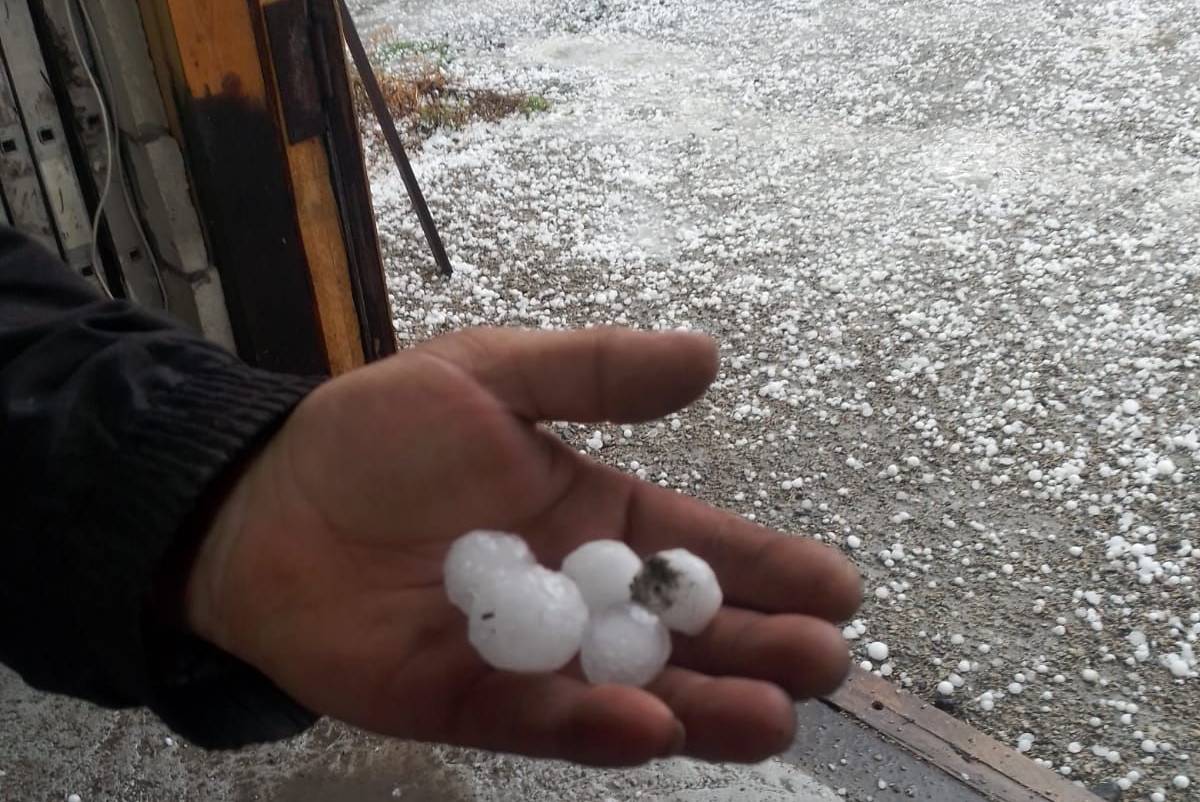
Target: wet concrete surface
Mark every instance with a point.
(51, 747)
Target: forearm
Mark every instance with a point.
(116, 428)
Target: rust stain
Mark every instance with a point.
(231, 85)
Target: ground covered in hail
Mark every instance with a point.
(952, 254)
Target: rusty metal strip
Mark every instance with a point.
(380, 107)
(980, 762)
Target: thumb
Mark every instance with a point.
(604, 374)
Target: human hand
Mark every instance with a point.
(323, 566)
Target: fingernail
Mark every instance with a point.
(678, 741)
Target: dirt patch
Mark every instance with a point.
(424, 97)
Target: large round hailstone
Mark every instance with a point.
(604, 571)
(476, 557)
(625, 645)
(529, 620)
(680, 588)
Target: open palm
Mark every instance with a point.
(323, 566)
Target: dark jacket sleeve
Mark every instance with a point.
(117, 429)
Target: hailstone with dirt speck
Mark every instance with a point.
(604, 571)
(474, 560)
(626, 644)
(529, 620)
(680, 588)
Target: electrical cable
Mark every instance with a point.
(97, 267)
(137, 221)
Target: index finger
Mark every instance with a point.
(759, 569)
(587, 375)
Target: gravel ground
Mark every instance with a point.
(952, 253)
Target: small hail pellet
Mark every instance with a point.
(529, 621)
(626, 645)
(476, 557)
(681, 588)
(604, 570)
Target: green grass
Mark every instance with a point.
(442, 115)
(534, 104)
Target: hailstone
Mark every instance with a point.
(627, 645)
(529, 620)
(476, 557)
(604, 571)
(681, 588)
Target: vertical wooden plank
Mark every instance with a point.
(991, 768)
(222, 56)
(290, 47)
(352, 186)
(217, 48)
(241, 170)
(326, 249)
